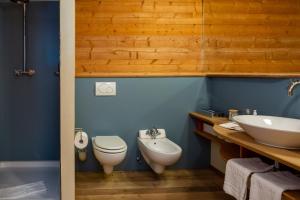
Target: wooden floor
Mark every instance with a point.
(172, 185)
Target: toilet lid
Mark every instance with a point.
(110, 142)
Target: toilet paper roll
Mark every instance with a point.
(81, 140)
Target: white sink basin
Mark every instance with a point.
(273, 131)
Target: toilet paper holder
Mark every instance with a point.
(82, 153)
(79, 130)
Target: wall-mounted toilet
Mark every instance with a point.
(109, 151)
(159, 152)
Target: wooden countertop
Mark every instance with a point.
(290, 158)
(210, 120)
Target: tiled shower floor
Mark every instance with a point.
(15, 176)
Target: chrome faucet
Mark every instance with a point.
(153, 132)
(292, 86)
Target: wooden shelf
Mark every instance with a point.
(135, 74)
(183, 74)
(290, 158)
(254, 75)
(228, 150)
(291, 195)
(209, 136)
(207, 119)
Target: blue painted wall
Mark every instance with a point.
(30, 106)
(1, 35)
(4, 83)
(142, 103)
(268, 96)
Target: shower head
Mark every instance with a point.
(24, 71)
(21, 2)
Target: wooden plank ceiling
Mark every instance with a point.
(186, 37)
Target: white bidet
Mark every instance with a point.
(159, 153)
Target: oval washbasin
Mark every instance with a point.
(273, 131)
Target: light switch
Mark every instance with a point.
(106, 89)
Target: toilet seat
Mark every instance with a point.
(109, 144)
(110, 151)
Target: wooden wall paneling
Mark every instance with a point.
(164, 38)
(138, 37)
(251, 37)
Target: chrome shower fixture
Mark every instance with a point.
(292, 86)
(21, 2)
(27, 72)
(24, 71)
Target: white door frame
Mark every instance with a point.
(67, 98)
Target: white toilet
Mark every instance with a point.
(109, 151)
(159, 152)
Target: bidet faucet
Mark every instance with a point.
(292, 86)
(153, 132)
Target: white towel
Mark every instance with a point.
(232, 126)
(238, 171)
(271, 185)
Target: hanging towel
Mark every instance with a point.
(271, 185)
(238, 171)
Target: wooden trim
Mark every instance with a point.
(194, 74)
(255, 75)
(67, 98)
(135, 75)
(6, 1)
